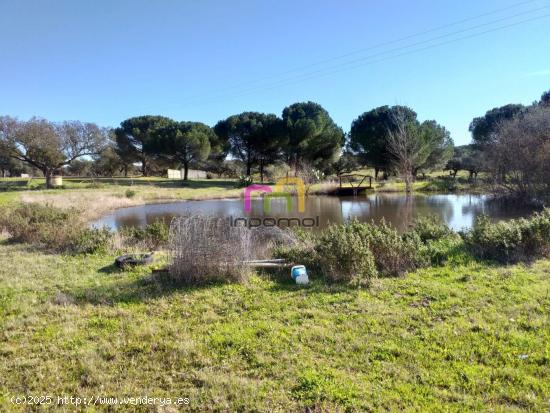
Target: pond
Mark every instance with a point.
(457, 210)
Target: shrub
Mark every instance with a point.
(442, 184)
(355, 252)
(431, 228)
(130, 193)
(152, 235)
(276, 171)
(345, 255)
(394, 253)
(92, 240)
(56, 229)
(41, 224)
(442, 250)
(244, 181)
(510, 241)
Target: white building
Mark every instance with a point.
(191, 174)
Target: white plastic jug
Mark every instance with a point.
(299, 274)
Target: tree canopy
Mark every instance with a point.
(439, 144)
(10, 166)
(181, 142)
(545, 99)
(484, 127)
(132, 138)
(467, 158)
(369, 135)
(519, 155)
(313, 135)
(256, 139)
(50, 146)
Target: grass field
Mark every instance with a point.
(469, 337)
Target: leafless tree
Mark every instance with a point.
(407, 146)
(519, 155)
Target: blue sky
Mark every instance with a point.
(203, 60)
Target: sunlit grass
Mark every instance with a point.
(465, 338)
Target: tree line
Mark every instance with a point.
(303, 136)
(389, 139)
(511, 144)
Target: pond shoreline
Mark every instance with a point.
(94, 203)
(457, 210)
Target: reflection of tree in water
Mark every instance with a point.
(401, 211)
(494, 208)
(327, 208)
(440, 206)
(396, 209)
(475, 207)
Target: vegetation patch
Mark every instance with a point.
(462, 337)
(515, 240)
(357, 252)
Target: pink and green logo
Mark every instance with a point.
(279, 191)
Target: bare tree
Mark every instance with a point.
(407, 146)
(519, 155)
(50, 146)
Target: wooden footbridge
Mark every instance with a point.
(354, 188)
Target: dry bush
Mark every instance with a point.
(52, 228)
(519, 155)
(208, 249)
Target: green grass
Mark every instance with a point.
(7, 198)
(467, 338)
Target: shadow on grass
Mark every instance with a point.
(110, 269)
(134, 290)
(282, 282)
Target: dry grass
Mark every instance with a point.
(93, 203)
(207, 249)
(4, 234)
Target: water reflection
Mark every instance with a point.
(458, 211)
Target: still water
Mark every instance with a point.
(458, 211)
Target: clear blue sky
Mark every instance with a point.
(203, 60)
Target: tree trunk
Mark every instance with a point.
(408, 182)
(144, 169)
(262, 171)
(185, 170)
(48, 175)
(248, 168)
(376, 170)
